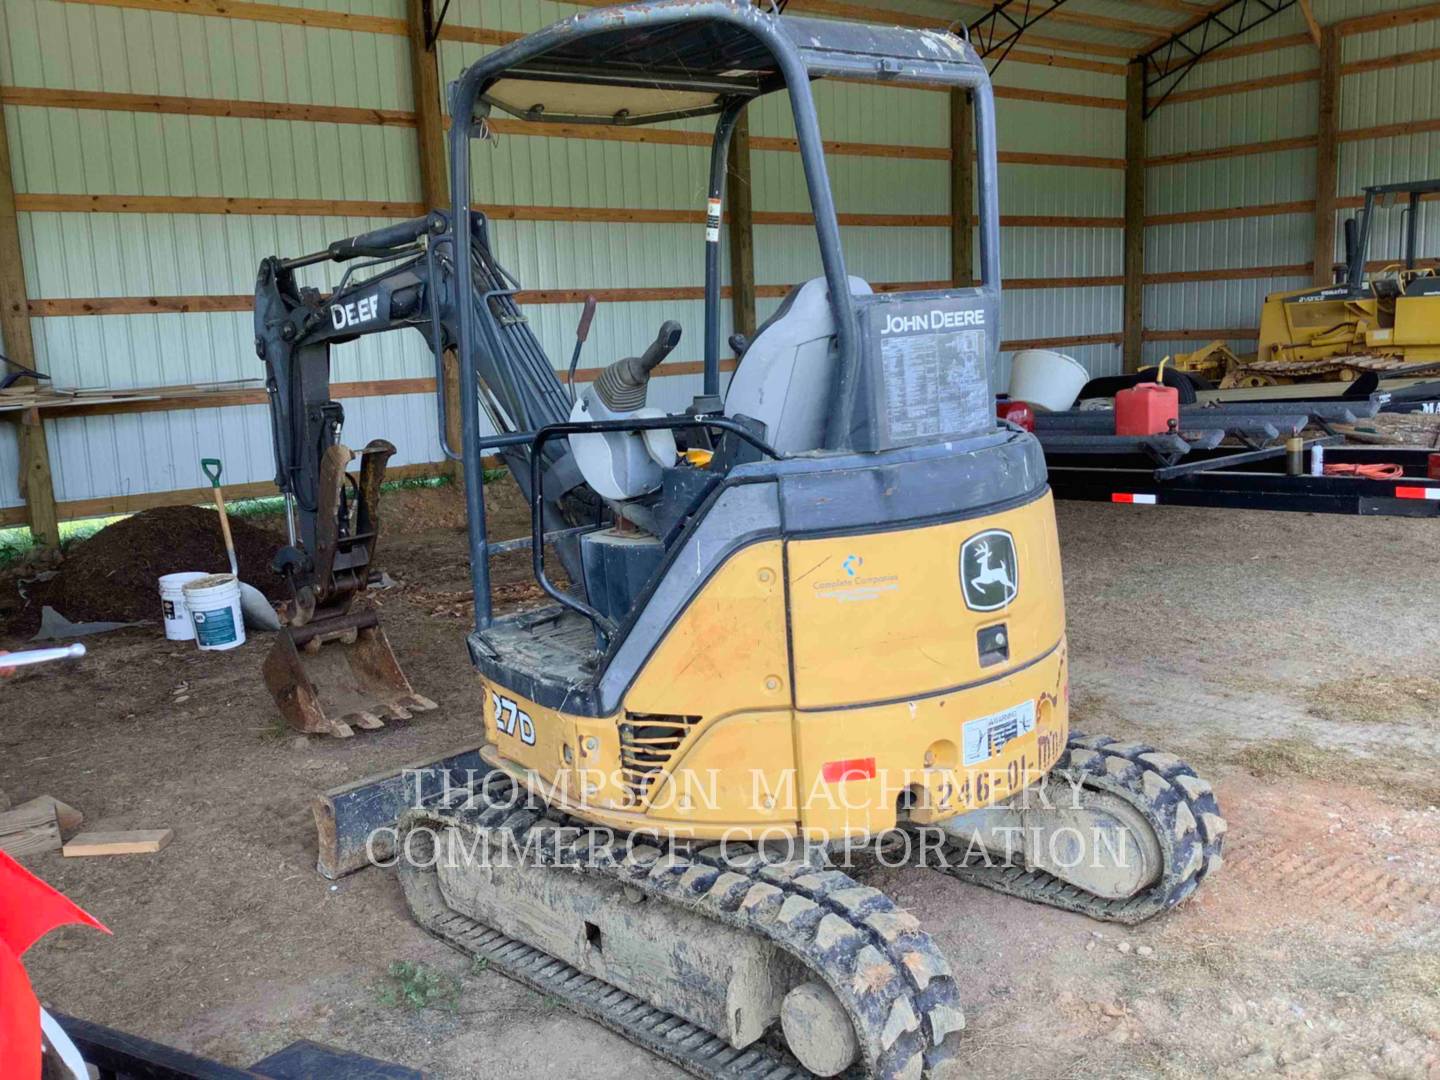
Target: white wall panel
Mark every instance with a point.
(1398, 95)
(49, 44)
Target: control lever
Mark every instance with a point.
(621, 386)
(663, 345)
(582, 331)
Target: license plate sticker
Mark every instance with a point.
(986, 736)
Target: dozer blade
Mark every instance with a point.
(333, 675)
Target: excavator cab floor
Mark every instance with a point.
(550, 645)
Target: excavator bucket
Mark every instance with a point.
(331, 669)
(332, 676)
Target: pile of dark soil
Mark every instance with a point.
(112, 575)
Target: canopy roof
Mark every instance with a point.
(605, 71)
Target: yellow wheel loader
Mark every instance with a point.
(811, 624)
(1386, 321)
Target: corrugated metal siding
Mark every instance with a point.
(1392, 96)
(74, 45)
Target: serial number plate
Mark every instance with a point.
(986, 736)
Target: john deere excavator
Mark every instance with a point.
(812, 622)
(1385, 322)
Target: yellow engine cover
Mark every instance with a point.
(814, 683)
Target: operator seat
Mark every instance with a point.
(784, 376)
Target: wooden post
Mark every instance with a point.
(1134, 328)
(434, 180)
(962, 188)
(742, 229)
(1327, 133)
(36, 482)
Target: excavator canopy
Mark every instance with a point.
(623, 74)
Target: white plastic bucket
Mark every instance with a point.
(214, 605)
(178, 626)
(1050, 381)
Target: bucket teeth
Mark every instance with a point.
(338, 673)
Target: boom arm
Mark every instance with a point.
(416, 286)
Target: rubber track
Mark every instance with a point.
(1179, 806)
(891, 978)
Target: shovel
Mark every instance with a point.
(256, 609)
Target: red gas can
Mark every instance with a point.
(1147, 409)
(1017, 412)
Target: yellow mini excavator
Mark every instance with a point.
(1386, 322)
(811, 624)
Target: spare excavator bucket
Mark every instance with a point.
(332, 676)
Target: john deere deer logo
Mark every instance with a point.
(989, 570)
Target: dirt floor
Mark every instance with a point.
(1288, 657)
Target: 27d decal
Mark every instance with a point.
(510, 719)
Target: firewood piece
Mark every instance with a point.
(30, 829)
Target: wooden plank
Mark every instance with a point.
(209, 204)
(354, 823)
(1231, 334)
(272, 13)
(1326, 157)
(1266, 82)
(1228, 213)
(36, 483)
(1134, 256)
(30, 829)
(1056, 97)
(962, 188)
(480, 35)
(1365, 24)
(1071, 340)
(188, 204)
(73, 307)
(740, 224)
(1271, 146)
(109, 101)
(134, 842)
(1228, 274)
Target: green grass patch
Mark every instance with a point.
(417, 986)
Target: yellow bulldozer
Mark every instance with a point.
(1378, 318)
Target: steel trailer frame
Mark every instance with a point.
(1245, 480)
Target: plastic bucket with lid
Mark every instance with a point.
(214, 605)
(1047, 380)
(178, 626)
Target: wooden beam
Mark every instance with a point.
(1310, 24)
(1230, 213)
(962, 188)
(1326, 157)
(1388, 19)
(434, 179)
(741, 229)
(35, 480)
(1134, 302)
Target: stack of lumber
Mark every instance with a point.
(20, 398)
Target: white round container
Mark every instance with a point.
(1050, 381)
(178, 626)
(214, 605)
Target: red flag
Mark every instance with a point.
(29, 909)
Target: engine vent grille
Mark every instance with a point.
(648, 744)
